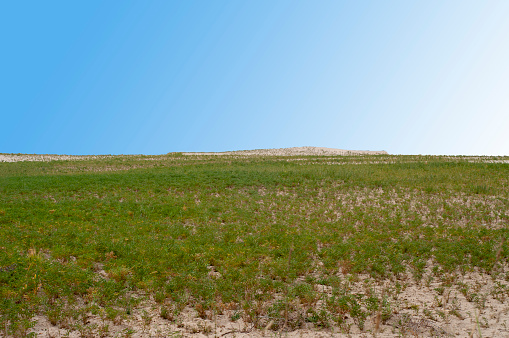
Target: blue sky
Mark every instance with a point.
(152, 77)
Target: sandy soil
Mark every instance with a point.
(417, 311)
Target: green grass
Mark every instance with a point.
(270, 229)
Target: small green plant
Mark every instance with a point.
(235, 316)
(147, 320)
(128, 332)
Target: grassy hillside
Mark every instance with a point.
(255, 236)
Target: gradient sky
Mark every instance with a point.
(152, 77)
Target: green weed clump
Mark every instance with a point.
(260, 236)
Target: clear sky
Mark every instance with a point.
(152, 77)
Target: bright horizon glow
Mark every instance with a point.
(424, 77)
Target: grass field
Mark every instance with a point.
(277, 243)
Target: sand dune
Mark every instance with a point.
(295, 151)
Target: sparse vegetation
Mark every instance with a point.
(327, 242)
